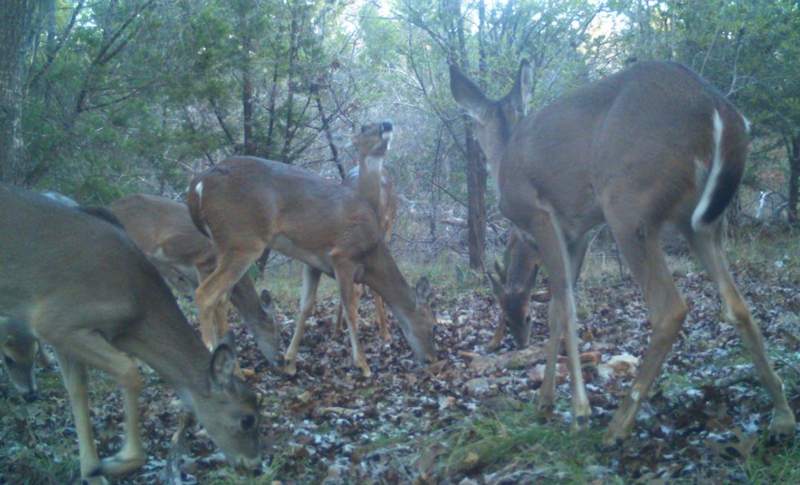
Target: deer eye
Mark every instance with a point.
(248, 422)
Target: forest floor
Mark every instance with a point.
(471, 417)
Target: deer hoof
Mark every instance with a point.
(290, 369)
(611, 443)
(94, 480)
(365, 371)
(783, 427)
(545, 412)
(580, 423)
(118, 465)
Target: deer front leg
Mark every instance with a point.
(345, 273)
(75, 380)
(548, 390)
(383, 319)
(97, 352)
(308, 298)
(556, 257)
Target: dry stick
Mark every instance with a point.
(327, 129)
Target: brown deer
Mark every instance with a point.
(387, 215)
(650, 145)
(164, 231)
(512, 285)
(247, 204)
(19, 349)
(84, 288)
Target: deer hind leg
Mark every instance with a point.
(708, 248)
(345, 273)
(555, 254)
(96, 351)
(211, 295)
(308, 299)
(640, 247)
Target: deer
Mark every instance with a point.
(19, 349)
(512, 285)
(387, 215)
(163, 229)
(83, 287)
(248, 204)
(650, 145)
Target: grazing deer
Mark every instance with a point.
(19, 348)
(650, 145)
(164, 231)
(512, 286)
(387, 214)
(247, 204)
(85, 289)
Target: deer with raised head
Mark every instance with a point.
(650, 145)
(387, 214)
(85, 289)
(164, 231)
(248, 204)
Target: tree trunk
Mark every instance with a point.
(475, 169)
(794, 179)
(16, 18)
(476, 205)
(288, 134)
(247, 80)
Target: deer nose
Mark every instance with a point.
(386, 126)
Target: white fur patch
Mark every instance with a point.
(198, 189)
(713, 178)
(374, 164)
(746, 124)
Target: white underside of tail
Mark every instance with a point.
(198, 189)
(713, 178)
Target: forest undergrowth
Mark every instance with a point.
(471, 418)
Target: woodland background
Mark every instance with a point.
(101, 98)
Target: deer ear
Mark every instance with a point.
(223, 365)
(521, 92)
(468, 95)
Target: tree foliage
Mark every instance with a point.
(121, 96)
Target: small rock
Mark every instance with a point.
(477, 386)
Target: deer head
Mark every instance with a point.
(230, 409)
(373, 139)
(514, 300)
(19, 347)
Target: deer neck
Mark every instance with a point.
(382, 275)
(165, 341)
(370, 172)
